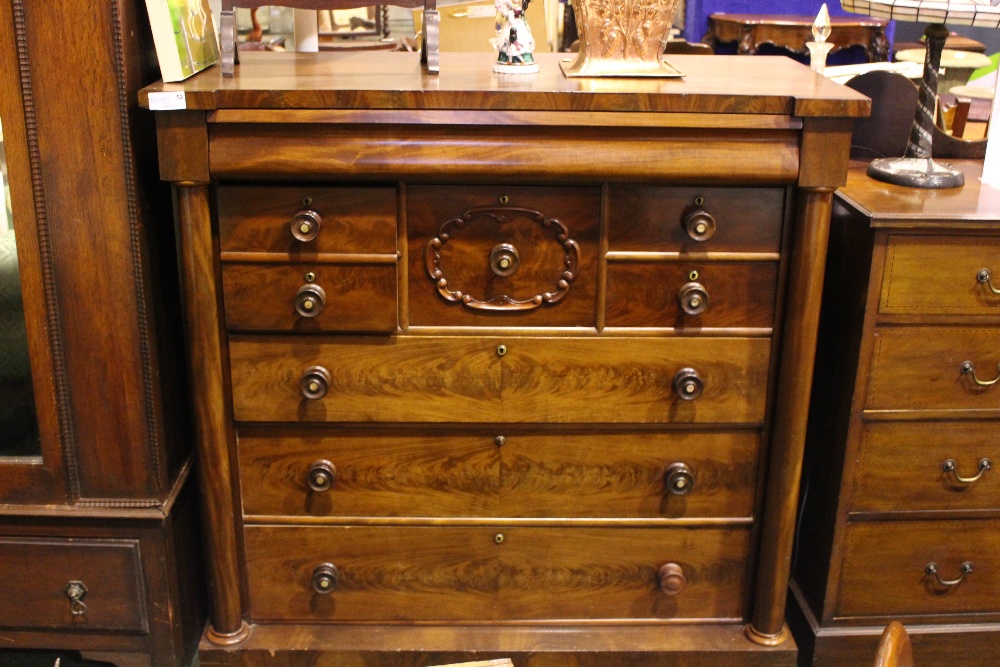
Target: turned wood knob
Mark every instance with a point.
(679, 479)
(315, 382)
(688, 384)
(322, 475)
(324, 579)
(309, 300)
(504, 259)
(672, 579)
(305, 225)
(693, 298)
(699, 225)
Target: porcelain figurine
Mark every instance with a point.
(514, 44)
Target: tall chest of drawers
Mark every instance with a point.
(501, 366)
(900, 491)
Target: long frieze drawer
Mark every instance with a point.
(695, 219)
(928, 466)
(310, 297)
(691, 295)
(496, 379)
(941, 275)
(72, 584)
(935, 368)
(503, 255)
(489, 573)
(310, 472)
(305, 220)
(921, 567)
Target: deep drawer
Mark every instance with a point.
(643, 219)
(259, 218)
(903, 467)
(506, 380)
(921, 368)
(937, 275)
(691, 295)
(263, 297)
(524, 474)
(35, 574)
(438, 573)
(885, 568)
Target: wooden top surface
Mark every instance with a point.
(796, 20)
(383, 80)
(890, 205)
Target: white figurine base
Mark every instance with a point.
(509, 68)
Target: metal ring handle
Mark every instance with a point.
(969, 369)
(932, 570)
(76, 591)
(983, 277)
(951, 466)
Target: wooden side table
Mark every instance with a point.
(750, 31)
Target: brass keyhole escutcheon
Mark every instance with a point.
(504, 200)
(498, 538)
(693, 276)
(310, 277)
(501, 350)
(500, 440)
(307, 201)
(504, 259)
(699, 201)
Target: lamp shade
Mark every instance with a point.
(982, 13)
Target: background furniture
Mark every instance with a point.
(98, 532)
(897, 424)
(894, 649)
(467, 387)
(751, 31)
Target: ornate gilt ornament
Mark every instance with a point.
(622, 38)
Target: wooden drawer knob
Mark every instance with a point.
(309, 300)
(324, 579)
(315, 382)
(322, 475)
(672, 579)
(504, 260)
(693, 298)
(688, 384)
(305, 225)
(699, 225)
(679, 479)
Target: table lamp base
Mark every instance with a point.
(915, 172)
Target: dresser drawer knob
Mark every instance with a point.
(688, 384)
(309, 300)
(324, 579)
(305, 225)
(932, 571)
(694, 298)
(322, 475)
(983, 277)
(76, 591)
(315, 383)
(504, 259)
(969, 369)
(672, 579)
(699, 225)
(680, 479)
(950, 466)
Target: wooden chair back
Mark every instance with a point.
(894, 650)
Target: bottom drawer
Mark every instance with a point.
(36, 576)
(885, 569)
(491, 573)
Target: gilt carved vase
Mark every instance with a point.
(622, 38)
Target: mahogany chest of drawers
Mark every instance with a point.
(901, 501)
(502, 366)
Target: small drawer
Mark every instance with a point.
(691, 295)
(501, 473)
(886, 568)
(695, 219)
(310, 297)
(493, 573)
(306, 220)
(928, 466)
(941, 275)
(503, 256)
(40, 576)
(935, 368)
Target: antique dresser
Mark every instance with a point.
(901, 495)
(501, 366)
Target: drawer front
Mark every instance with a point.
(259, 218)
(937, 275)
(653, 219)
(36, 572)
(475, 261)
(492, 573)
(920, 368)
(568, 474)
(261, 297)
(885, 568)
(904, 466)
(691, 295)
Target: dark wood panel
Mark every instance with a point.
(355, 297)
(352, 219)
(933, 646)
(646, 219)
(464, 254)
(740, 294)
